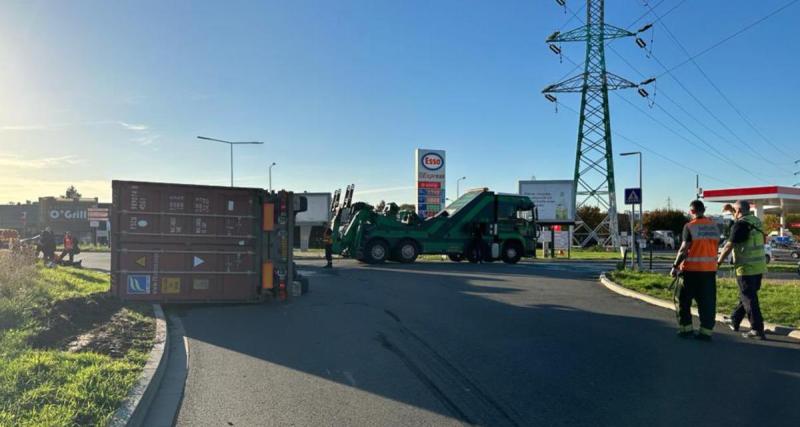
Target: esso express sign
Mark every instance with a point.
(430, 181)
(432, 161)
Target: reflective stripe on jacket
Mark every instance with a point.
(702, 254)
(749, 257)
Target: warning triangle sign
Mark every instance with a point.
(141, 262)
(197, 261)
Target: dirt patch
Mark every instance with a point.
(98, 323)
(125, 331)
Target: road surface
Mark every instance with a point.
(446, 344)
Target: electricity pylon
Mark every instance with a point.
(594, 162)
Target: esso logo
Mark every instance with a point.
(432, 161)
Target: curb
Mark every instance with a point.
(771, 327)
(134, 408)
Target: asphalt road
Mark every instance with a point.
(445, 344)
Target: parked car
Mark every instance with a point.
(767, 252)
(784, 251)
(663, 239)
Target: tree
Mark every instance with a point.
(72, 193)
(665, 219)
(591, 215)
(771, 223)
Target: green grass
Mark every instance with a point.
(780, 302)
(45, 385)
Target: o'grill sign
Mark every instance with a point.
(68, 214)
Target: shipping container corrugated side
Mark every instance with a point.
(187, 243)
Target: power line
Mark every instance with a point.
(713, 150)
(714, 85)
(656, 7)
(683, 109)
(717, 44)
(656, 153)
(710, 148)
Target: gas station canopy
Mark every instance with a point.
(771, 199)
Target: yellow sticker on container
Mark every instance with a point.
(142, 262)
(171, 285)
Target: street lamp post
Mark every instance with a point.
(231, 144)
(270, 176)
(458, 186)
(633, 210)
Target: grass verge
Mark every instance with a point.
(69, 352)
(780, 302)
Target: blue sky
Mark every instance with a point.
(343, 91)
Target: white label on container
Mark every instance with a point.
(230, 205)
(142, 223)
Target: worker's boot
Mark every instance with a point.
(729, 323)
(328, 265)
(756, 335)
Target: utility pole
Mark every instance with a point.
(594, 161)
(231, 144)
(270, 176)
(458, 186)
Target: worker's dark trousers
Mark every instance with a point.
(748, 302)
(700, 286)
(329, 254)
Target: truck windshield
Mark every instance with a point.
(461, 202)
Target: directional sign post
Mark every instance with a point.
(633, 197)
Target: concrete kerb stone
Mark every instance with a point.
(134, 408)
(771, 327)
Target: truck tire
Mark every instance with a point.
(471, 252)
(406, 251)
(376, 251)
(512, 252)
(456, 257)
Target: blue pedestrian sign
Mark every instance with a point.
(633, 196)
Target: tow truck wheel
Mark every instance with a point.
(407, 251)
(376, 251)
(456, 257)
(473, 254)
(512, 252)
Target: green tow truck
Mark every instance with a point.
(481, 225)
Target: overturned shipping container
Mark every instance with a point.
(189, 243)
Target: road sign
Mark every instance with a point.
(633, 196)
(98, 214)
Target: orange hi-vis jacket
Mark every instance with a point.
(705, 242)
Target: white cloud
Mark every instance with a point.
(146, 139)
(31, 127)
(40, 163)
(20, 189)
(134, 127)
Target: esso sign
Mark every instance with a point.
(432, 161)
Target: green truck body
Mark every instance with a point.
(481, 225)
